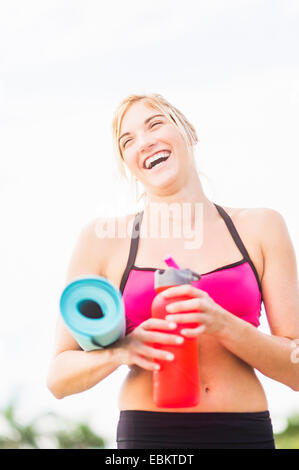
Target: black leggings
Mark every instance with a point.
(167, 430)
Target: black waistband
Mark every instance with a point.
(200, 429)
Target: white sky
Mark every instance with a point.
(232, 67)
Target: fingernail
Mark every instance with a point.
(169, 357)
(169, 318)
(169, 307)
(172, 325)
(157, 367)
(179, 340)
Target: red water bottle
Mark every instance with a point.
(176, 383)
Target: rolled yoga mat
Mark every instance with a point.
(93, 310)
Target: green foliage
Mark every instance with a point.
(46, 431)
(79, 437)
(52, 431)
(289, 438)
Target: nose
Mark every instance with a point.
(145, 142)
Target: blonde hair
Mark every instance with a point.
(158, 102)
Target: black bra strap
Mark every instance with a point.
(133, 249)
(237, 239)
(233, 231)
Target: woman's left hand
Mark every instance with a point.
(210, 315)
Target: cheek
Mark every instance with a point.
(131, 163)
(130, 158)
(177, 140)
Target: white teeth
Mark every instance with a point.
(155, 157)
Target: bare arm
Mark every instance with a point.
(73, 370)
(272, 354)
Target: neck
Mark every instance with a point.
(190, 196)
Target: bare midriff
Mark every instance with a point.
(227, 384)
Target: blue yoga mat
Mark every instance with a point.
(93, 310)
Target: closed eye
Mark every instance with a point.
(128, 140)
(125, 143)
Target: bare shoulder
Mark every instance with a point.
(256, 216)
(265, 224)
(263, 218)
(104, 235)
(274, 233)
(110, 230)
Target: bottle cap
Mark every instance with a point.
(173, 276)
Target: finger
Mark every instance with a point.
(183, 289)
(187, 317)
(146, 364)
(159, 324)
(185, 305)
(155, 353)
(191, 332)
(161, 338)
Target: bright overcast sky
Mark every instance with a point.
(232, 67)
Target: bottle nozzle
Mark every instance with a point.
(171, 263)
(195, 275)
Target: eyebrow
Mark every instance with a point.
(145, 122)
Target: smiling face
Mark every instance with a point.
(152, 147)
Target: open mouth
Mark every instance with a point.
(156, 160)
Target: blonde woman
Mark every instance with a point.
(245, 257)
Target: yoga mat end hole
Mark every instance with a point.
(90, 309)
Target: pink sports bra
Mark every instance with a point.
(236, 286)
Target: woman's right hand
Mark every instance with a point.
(136, 347)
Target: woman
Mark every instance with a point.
(245, 257)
